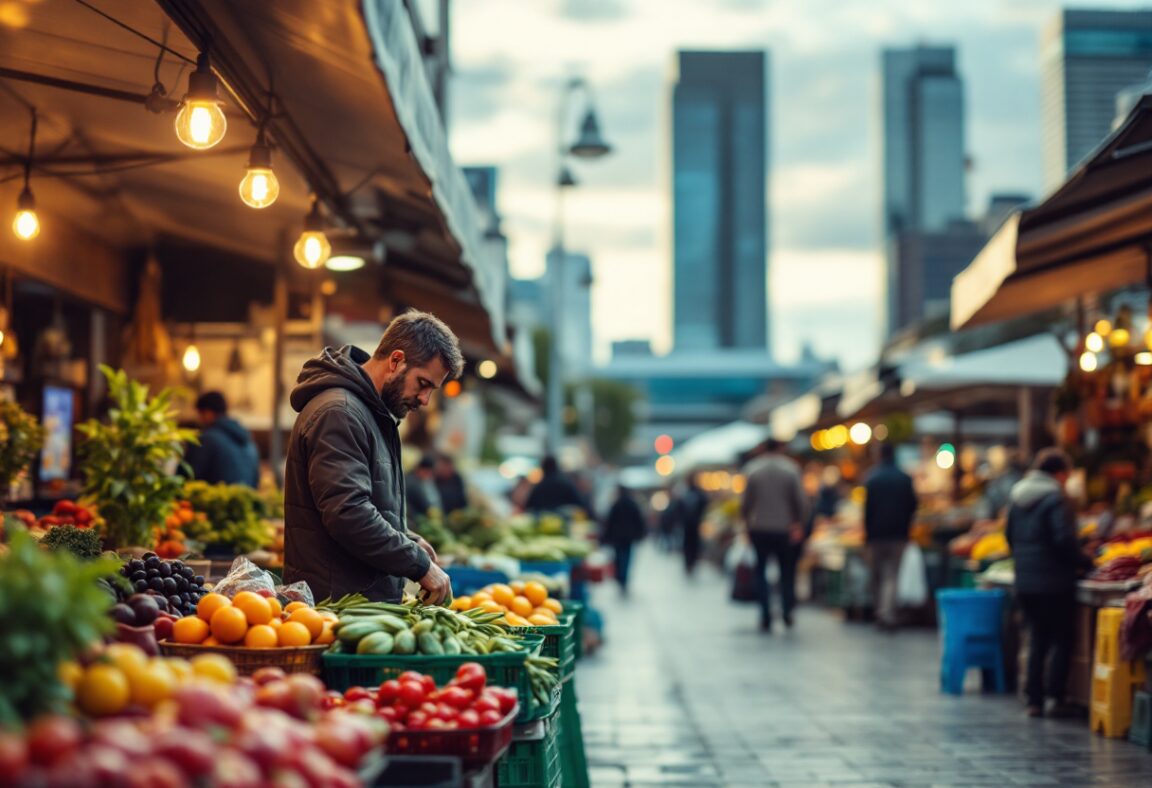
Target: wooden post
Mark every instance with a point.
(280, 307)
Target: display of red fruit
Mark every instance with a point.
(411, 693)
(155, 773)
(14, 758)
(234, 769)
(356, 693)
(490, 718)
(307, 694)
(388, 693)
(163, 626)
(110, 764)
(340, 742)
(472, 676)
(52, 739)
(193, 751)
(267, 675)
(469, 718)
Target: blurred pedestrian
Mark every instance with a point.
(423, 496)
(450, 485)
(774, 512)
(1042, 533)
(889, 508)
(519, 493)
(555, 491)
(623, 527)
(691, 506)
(226, 454)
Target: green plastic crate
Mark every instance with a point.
(577, 610)
(559, 642)
(533, 761)
(573, 758)
(504, 669)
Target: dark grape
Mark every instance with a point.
(150, 554)
(140, 586)
(152, 562)
(175, 602)
(156, 584)
(169, 586)
(141, 575)
(188, 572)
(136, 565)
(198, 580)
(165, 570)
(181, 583)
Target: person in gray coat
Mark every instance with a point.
(344, 495)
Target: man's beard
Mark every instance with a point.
(393, 395)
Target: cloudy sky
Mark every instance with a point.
(512, 56)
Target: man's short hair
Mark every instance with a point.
(213, 402)
(887, 452)
(1052, 461)
(422, 337)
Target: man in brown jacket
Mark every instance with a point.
(774, 509)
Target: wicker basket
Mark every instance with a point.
(300, 659)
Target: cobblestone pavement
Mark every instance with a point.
(686, 691)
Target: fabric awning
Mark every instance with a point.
(1091, 236)
(719, 447)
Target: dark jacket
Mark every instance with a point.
(690, 509)
(890, 504)
(226, 454)
(1042, 533)
(625, 523)
(422, 497)
(344, 504)
(452, 492)
(554, 492)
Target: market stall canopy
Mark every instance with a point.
(352, 120)
(1089, 237)
(720, 447)
(813, 409)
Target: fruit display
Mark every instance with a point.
(1117, 570)
(991, 547)
(252, 620)
(523, 604)
(173, 722)
(1138, 547)
(413, 702)
(235, 517)
(52, 609)
(68, 512)
(177, 587)
(171, 541)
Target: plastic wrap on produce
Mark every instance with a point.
(246, 576)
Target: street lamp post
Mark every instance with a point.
(589, 145)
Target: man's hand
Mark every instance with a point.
(436, 585)
(422, 543)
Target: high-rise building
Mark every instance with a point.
(1087, 57)
(719, 183)
(574, 310)
(924, 165)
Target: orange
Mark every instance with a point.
(293, 633)
(261, 636)
(274, 604)
(491, 607)
(521, 607)
(309, 618)
(103, 690)
(553, 605)
(256, 608)
(502, 594)
(215, 667)
(536, 593)
(547, 613)
(244, 596)
(292, 607)
(129, 658)
(517, 587)
(190, 629)
(155, 683)
(461, 603)
(210, 603)
(538, 620)
(180, 668)
(276, 623)
(229, 625)
(480, 597)
(327, 635)
(211, 641)
(513, 620)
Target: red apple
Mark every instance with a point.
(307, 693)
(234, 769)
(193, 751)
(72, 771)
(201, 706)
(268, 675)
(123, 736)
(52, 739)
(155, 772)
(340, 742)
(111, 765)
(13, 756)
(264, 745)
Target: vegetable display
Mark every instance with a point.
(234, 517)
(21, 438)
(80, 542)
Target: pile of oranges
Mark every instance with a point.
(254, 621)
(523, 604)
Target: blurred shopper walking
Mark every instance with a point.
(888, 511)
(226, 453)
(690, 507)
(423, 495)
(555, 491)
(1042, 533)
(450, 485)
(774, 513)
(623, 527)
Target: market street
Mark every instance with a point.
(686, 691)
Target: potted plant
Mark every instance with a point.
(130, 460)
(21, 437)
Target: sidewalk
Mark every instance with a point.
(686, 691)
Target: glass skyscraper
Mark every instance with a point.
(924, 164)
(720, 222)
(1087, 57)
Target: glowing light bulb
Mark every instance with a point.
(312, 249)
(1120, 337)
(860, 433)
(191, 360)
(260, 187)
(26, 225)
(487, 369)
(1094, 342)
(945, 460)
(1088, 362)
(200, 123)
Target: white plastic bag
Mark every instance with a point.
(912, 586)
(739, 553)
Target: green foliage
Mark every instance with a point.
(236, 516)
(83, 543)
(128, 460)
(21, 437)
(51, 610)
(614, 416)
(542, 351)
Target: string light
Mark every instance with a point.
(260, 187)
(200, 123)
(191, 360)
(312, 249)
(26, 225)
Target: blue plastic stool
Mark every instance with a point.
(971, 623)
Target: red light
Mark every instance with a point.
(664, 444)
(452, 389)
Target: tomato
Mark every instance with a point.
(357, 693)
(427, 682)
(471, 675)
(417, 720)
(388, 693)
(429, 708)
(411, 675)
(486, 703)
(389, 713)
(447, 713)
(457, 697)
(489, 719)
(506, 697)
(411, 694)
(469, 718)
